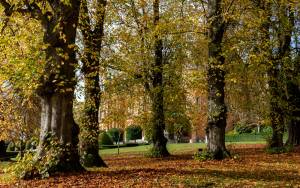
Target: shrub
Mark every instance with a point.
(29, 167)
(242, 128)
(203, 155)
(266, 130)
(278, 150)
(105, 139)
(133, 132)
(116, 134)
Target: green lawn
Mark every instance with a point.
(173, 148)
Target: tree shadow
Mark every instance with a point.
(258, 174)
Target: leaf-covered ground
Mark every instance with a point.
(252, 167)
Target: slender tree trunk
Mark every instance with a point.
(158, 119)
(294, 105)
(216, 83)
(92, 39)
(293, 133)
(276, 111)
(277, 72)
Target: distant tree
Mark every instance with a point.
(116, 134)
(133, 132)
(105, 139)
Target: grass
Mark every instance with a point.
(246, 137)
(250, 137)
(172, 148)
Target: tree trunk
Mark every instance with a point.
(293, 133)
(276, 112)
(277, 72)
(294, 106)
(158, 120)
(58, 147)
(59, 131)
(216, 83)
(92, 40)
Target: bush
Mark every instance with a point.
(242, 128)
(279, 150)
(266, 130)
(116, 134)
(203, 155)
(134, 132)
(105, 139)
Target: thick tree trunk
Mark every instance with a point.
(59, 131)
(158, 120)
(89, 145)
(58, 147)
(216, 83)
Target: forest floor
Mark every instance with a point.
(251, 167)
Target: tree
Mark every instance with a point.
(277, 30)
(216, 81)
(21, 65)
(133, 132)
(293, 89)
(116, 134)
(157, 95)
(59, 20)
(92, 39)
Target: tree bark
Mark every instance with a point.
(294, 106)
(293, 133)
(157, 94)
(277, 71)
(92, 39)
(276, 111)
(59, 132)
(216, 83)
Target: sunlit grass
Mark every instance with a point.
(172, 148)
